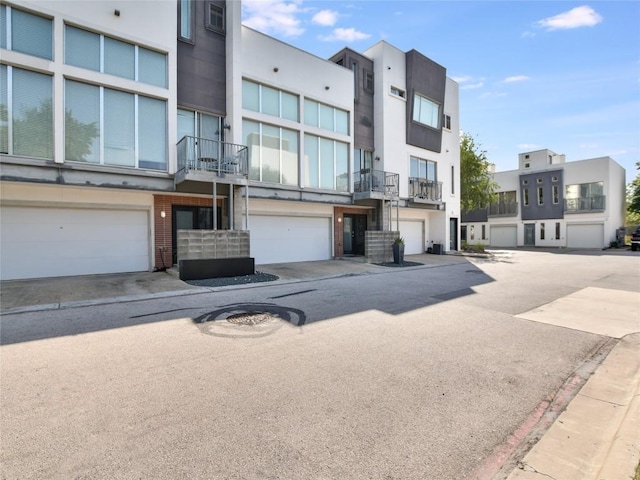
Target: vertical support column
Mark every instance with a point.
(215, 205)
(398, 215)
(246, 209)
(231, 192)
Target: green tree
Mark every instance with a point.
(633, 200)
(477, 188)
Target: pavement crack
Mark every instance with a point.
(601, 400)
(528, 468)
(292, 294)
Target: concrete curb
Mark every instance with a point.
(596, 437)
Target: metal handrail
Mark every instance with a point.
(368, 180)
(425, 189)
(205, 155)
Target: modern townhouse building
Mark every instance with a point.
(128, 130)
(548, 202)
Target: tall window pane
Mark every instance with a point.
(152, 67)
(119, 58)
(311, 113)
(251, 136)
(119, 141)
(270, 154)
(185, 19)
(82, 48)
(342, 167)
(186, 124)
(250, 96)
(82, 122)
(31, 34)
(326, 117)
(152, 133)
(4, 110)
(270, 101)
(209, 126)
(342, 122)
(3, 26)
(431, 171)
(289, 157)
(311, 161)
(327, 172)
(289, 106)
(32, 114)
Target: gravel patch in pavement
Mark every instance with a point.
(403, 264)
(240, 280)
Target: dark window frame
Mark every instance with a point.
(190, 37)
(367, 81)
(221, 13)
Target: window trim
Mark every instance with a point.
(525, 197)
(189, 37)
(555, 194)
(446, 121)
(368, 81)
(398, 92)
(542, 231)
(422, 98)
(540, 195)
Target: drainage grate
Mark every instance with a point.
(251, 318)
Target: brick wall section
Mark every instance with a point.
(162, 241)
(194, 244)
(377, 246)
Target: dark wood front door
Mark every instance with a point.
(354, 228)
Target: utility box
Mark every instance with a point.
(437, 249)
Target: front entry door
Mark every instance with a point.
(530, 234)
(353, 236)
(453, 234)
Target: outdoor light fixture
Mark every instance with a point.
(163, 214)
(339, 219)
(116, 13)
(275, 69)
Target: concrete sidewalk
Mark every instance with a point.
(52, 293)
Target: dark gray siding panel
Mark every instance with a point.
(427, 78)
(544, 180)
(479, 215)
(363, 107)
(201, 66)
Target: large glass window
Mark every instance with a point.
(26, 122)
(111, 127)
(425, 111)
(83, 49)
(270, 101)
(326, 163)
(273, 152)
(30, 34)
(326, 117)
(185, 19)
(423, 169)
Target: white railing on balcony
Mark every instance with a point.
(499, 209)
(425, 189)
(204, 155)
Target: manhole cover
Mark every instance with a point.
(252, 318)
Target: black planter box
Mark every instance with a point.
(437, 249)
(201, 268)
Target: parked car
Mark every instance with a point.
(635, 239)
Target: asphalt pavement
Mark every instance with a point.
(595, 437)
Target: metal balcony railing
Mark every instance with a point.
(204, 155)
(425, 189)
(503, 209)
(585, 204)
(367, 180)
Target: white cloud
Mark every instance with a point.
(465, 78)
(472, 86)
(326, 18)
(515, 78)
(492, 95)
(273, 16)
(528, 146)
(590, 146)
(583, 16)
(527, 34)
(345, 35)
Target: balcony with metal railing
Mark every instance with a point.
(376, 184)
(500, 209)
(201, 159)
(585, 204)
(425, 191)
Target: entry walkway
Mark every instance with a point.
(52, 293)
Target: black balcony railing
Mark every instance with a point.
(367, 180)
(425, 189)
(204, 155)
(503, 209)
(585, 204)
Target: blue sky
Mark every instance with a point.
(532, 74)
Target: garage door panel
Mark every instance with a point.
(50, 242)
(279, 239)
(412, 232)
(585, 235)
(503, 236)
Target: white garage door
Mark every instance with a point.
(585, 235)
(503, 236)
(57, 242)
(279, 239)
(413, 237)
